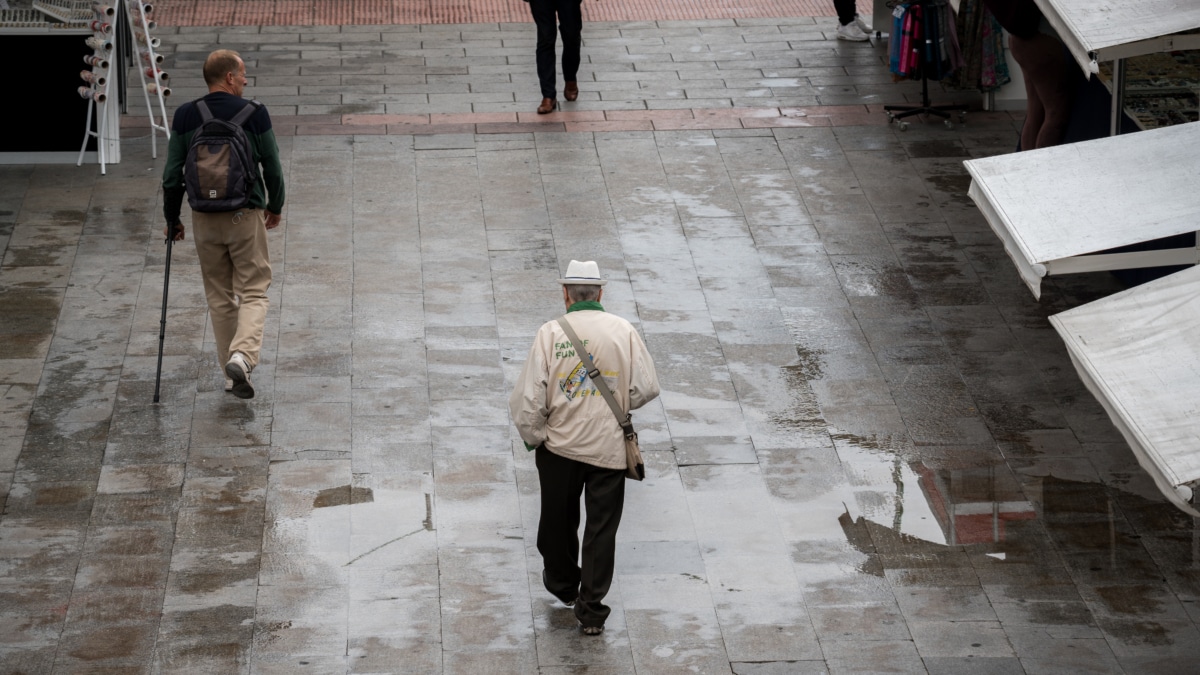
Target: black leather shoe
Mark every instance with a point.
(548, 105)
(571, 91)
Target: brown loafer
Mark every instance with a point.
(571, 91)
(548, 105)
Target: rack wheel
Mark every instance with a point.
(891, 116)
(949, 124)
(962, 116)
(903, 126)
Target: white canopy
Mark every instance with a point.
(1051, 206)
(1138, 351)
(1104, 30)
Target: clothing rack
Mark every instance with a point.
(925, 48)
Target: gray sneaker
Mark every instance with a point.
(239, 371)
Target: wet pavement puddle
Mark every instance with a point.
(871, 452)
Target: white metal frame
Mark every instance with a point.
(159, 123)
(107, 112)
(102, 110)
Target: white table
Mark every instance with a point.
(1114, 30)
(1138, 352)
(1108, 30)
(1052, 207)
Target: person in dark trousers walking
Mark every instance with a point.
(850, 25)
(232, 245)
(553, 17)
(580, 447)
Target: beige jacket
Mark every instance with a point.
(554, 402)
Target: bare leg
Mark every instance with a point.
(1047, 86)
(1055, 90)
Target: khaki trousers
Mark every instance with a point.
(236, 267)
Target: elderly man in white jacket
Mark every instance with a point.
(580, 446)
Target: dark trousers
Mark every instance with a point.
(562, 481)
(845, 10)
(570, 22)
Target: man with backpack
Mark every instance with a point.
(218, 144)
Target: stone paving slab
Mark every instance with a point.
(871, 453)
(332, 13)
(313, 77)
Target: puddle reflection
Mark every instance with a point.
(946, 506)
(912, 506)
(973, 506)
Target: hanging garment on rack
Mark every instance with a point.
(951, 33)
(935, 47)
(982, 49)
(894, 40)
(950, 56)
(921, 49)
(926, 47)
(942, 56)
(910, 43)
(995, 70)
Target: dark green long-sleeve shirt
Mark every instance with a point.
(268, 192)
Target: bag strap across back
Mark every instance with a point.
(623, 418)
(202, 107)
(244, 114)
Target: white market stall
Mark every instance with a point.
(1054, 207)
(1097, 31)
(1107, 30)
(1064, 209)
(1138, 352)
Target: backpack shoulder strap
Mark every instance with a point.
(244, 114)
(205, 113)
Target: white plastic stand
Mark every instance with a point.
(102, 108)
(136, 11)
(102, 103)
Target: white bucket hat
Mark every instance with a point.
(585, 273)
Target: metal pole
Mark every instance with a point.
(162, 326)
(1118, 97)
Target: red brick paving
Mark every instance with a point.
(391, 12)
(563, 116)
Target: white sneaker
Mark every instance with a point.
(862, 25)
(239, 371)
(852, 32)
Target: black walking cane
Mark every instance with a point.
(162, 326)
